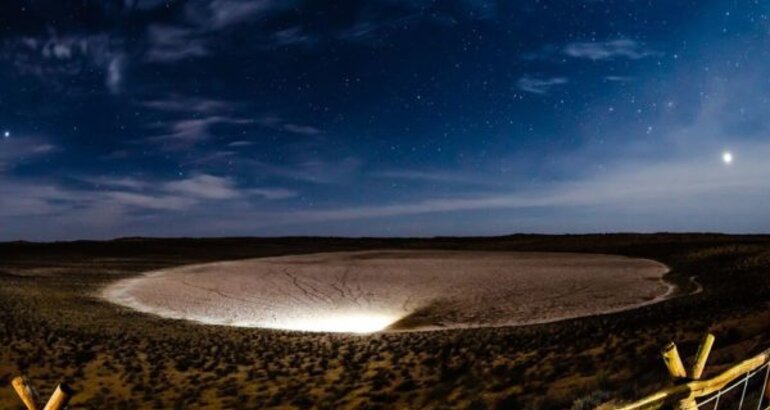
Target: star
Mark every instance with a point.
(7, 134)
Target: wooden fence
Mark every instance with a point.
(742, 386)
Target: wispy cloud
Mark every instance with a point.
(373, 31)
(56, 58)
(200, 114)
(21, 197)
(16, 150)
(437, 176)
(195, 33)
(240, 144)
(292, 36)
(316, 171)
(219, 14)
(273, 193)
(537, 85)
(608, 50)
(106, 207)
(204, 186)
(300, 129)
(145, 201)
(127, 193)
(279, 124)
(115, 72)
(184, 104)
(191, 130)
(596, 50)
(618, 78)
(115, 182)
(171, 43)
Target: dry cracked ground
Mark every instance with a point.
(396, 290)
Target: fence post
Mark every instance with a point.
(60, 397)
(703, 354)
(25, 391)
(673, 361)
(676, 369)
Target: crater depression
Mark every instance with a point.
(393, 290)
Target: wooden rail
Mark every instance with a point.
(682, 395)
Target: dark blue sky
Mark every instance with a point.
(382, 117)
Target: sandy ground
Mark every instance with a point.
(396, 290)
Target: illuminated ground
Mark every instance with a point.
(396, 290)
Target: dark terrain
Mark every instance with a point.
(54, 329)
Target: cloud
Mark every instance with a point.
(204, 25)
(16, 150)
(55, 58)
(618, 78)
(437, 177)
(301, 129)
(273, 193)
(537, 85)
(280, 124)
(181, 104)
(57, 48)
(171, 43)
(115, 74)
(193, 117)
(190, 130)
(208, 112)
(217, 14)
(120, 204)
(121, 182)
(316, 171)
(292, 36)
(375, 31)
(608, 50)
(19, 198)
(204, 186)
(153, 202)
(240, 144)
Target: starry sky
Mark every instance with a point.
(382, 117)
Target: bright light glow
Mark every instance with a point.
(339, 323)
(727, 157)
(7, 134)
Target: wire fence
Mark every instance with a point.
(748, 392)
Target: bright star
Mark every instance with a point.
(727, 157)
(7, 134)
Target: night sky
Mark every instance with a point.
(382, 117)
